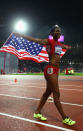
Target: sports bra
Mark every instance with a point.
(54, 47)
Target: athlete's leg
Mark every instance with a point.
(44, 97)
(53, 80)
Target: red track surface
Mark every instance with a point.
(19, 100)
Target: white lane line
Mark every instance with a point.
(15, 84)
(71, 104)
(44, 87)
(59, 85)
(59, 88)
(72, 85)
(36, 99)
(4, 84)
(71, 89)
(27, 84)
(10, 85)
(35, 122)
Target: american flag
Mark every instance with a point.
(26, 50)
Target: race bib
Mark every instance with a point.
(50, 70)
(58, 49)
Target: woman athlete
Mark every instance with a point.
(54, 49)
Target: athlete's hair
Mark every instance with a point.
(53, 28)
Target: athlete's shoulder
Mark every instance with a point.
(50, 41)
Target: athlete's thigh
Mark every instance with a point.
(53, 82)
(48, 86)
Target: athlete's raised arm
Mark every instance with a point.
(67, 47)
(37, 40)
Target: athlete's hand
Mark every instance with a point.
(17, 34)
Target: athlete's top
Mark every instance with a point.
(54, 47)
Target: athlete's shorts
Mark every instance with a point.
(49, 70)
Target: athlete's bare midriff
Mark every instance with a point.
(54, 60)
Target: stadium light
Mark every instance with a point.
(20, 26)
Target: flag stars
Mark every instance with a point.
(35, 46)
(36, 49)
(15, 43)
(10, 41)
(21, 43)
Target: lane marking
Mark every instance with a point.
(13, 83)
(4, 84)
(71, 104)
(60, 88)
(71, 85)
(36, 99)
(59, 84)
(44, 87)
(35, 122)
(18, 84)
(71, 89)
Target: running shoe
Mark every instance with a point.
(39, 116)
(68, 121)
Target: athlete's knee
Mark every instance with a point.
(47, 93)
(56, 95)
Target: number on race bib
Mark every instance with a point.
(58, 49)
(50, 70)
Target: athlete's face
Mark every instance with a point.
(56, 33)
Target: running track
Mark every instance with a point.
(19, 100)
